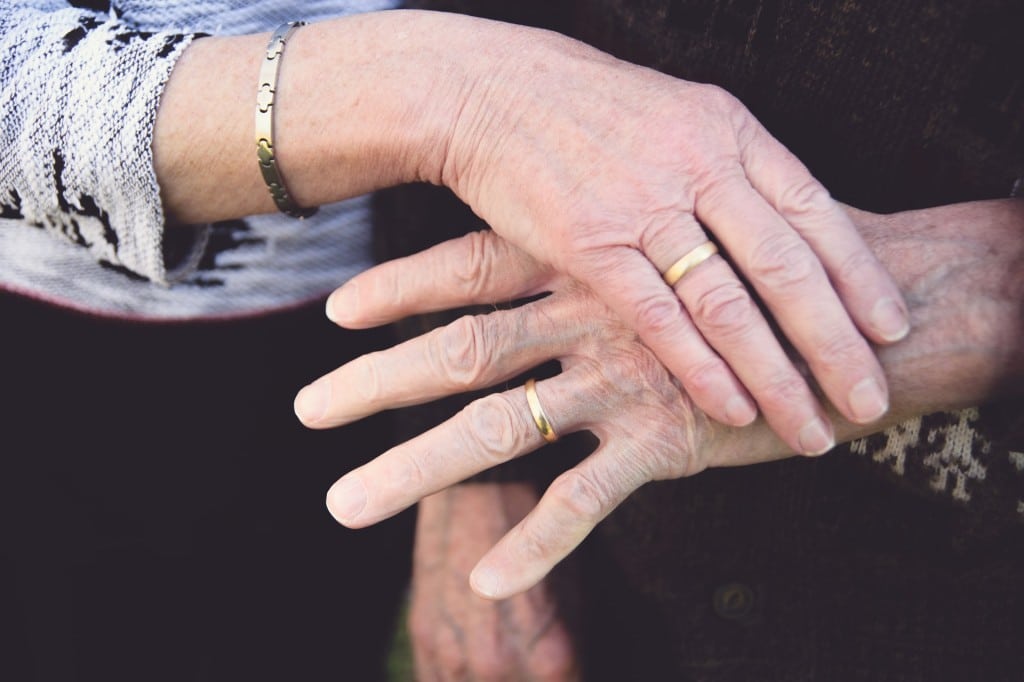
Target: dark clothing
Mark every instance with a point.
(162, 510)
(868, 563)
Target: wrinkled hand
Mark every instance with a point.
(456, 635)
(610, 384)
(611, 172)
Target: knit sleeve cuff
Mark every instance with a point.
(80, 91)
(974, 458)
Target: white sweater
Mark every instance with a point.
(81, 223)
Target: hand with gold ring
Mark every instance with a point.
(625, 203)
(613, 386)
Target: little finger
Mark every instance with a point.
(792, 282)
(866, 288)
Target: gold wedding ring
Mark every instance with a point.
(688, 262)
(540, 418)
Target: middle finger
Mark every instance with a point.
(474, 352)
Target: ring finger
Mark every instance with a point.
(727, 317)
(487, 432)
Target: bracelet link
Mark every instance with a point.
(265, 123)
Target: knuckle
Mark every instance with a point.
(658, 229)
(580, 496)
(702, 376)
(721, 99)
(806, 197)
(783, 261)
(470, 269)
(860, 266)
(658, 313)
(718, 182)
(730, 109)
(726, 309)
(784, 392)
(841, 350)
(493, 427)
(533, 546)
(459, 350)
(367, 382)
(405, 472)
(618, 379)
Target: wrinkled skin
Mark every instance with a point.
(611, 172)
(611, 384)
(959, 266)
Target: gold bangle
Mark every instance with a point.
(269, 68)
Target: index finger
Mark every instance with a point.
(479, 267)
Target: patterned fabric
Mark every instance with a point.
(81, 223)
(969, 457)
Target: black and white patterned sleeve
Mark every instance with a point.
(78, 94)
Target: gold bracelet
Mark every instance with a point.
(265, 122)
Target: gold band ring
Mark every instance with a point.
(688, 262)
(540, 418)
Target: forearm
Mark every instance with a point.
(961, 269)
(362, 103)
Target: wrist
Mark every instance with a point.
(363, 102)
(959, 268)
(511, 102)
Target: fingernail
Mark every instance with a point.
(890, 320)
(816, 437)
(868, 401)
(346, 499)
(343, 303)
(485, 582)
(740, 411)
(311, 402)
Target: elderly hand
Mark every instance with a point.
(611, 173)
(959, 266)
(611, 384)
(456, 635)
